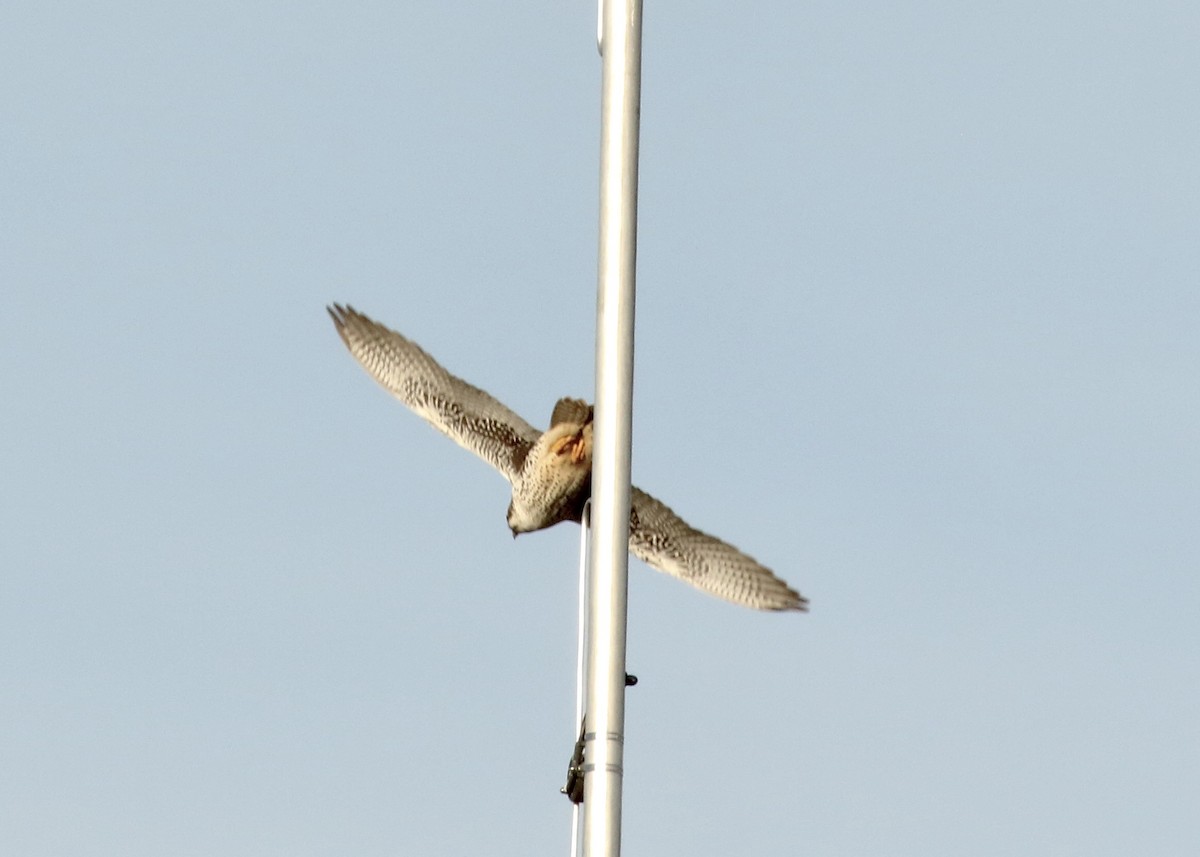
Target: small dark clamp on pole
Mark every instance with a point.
(574, 787)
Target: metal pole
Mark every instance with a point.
(585, 547)
(621, 49)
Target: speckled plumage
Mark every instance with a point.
(550, 471)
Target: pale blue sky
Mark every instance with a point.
(918, 326)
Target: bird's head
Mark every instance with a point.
(514, 522)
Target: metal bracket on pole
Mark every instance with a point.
(604, 732)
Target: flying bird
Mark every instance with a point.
(551, 471)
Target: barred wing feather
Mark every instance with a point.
(664, 541)
(461, 411)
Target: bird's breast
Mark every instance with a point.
(556, 480)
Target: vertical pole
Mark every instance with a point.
(621, 49)
(585, 550)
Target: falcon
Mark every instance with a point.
(551, 471)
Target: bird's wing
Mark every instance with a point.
(662, 540)
(464, 413)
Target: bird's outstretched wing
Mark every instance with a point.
(464, 413)
(663, 540)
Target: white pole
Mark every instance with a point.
(621, 49)
(585, 544)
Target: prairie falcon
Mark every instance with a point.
(551, 471)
